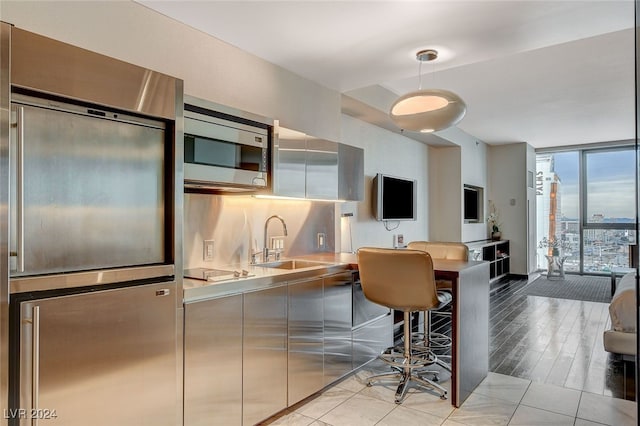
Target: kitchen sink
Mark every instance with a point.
(293, 264)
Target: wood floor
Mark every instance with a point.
(555, 341)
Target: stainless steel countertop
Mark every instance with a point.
(195, 290)
(263, 277)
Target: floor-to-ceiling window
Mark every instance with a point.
(608, 225)
(586, 208)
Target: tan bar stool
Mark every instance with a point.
(402, 280)
(447, 251)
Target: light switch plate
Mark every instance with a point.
(321, 240)
(208, 250)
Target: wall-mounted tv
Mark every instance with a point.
(473, 204)
(394, 198)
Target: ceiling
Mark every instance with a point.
(550, 73)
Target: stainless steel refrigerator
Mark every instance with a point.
(93, 303)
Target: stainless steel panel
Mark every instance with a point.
(364, 310)
(322, 169)
(227, 110)
(83, 279)
(175, 193)
(213, 362)
(51, 66)
(107, 356)
(305, 366)
(327, 170)
(5, 43)
(371, 339)
(289, 163)
(337, 326)
(224, 130)
(198, 175)
(94, 192)
(350, 173)
(236, 225)
(264, 354)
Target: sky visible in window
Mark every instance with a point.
(610, 183)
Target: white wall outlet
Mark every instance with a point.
(321, 240)
(208, 250)
(277, 243)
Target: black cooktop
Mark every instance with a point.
(206, 274)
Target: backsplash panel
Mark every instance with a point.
(236, 224)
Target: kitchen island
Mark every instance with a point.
(256, 319)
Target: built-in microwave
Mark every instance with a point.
(224, 152)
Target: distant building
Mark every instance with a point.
(548, 202)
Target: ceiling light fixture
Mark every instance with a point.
(427, 110)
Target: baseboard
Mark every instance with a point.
(520, 276)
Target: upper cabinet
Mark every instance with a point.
(313, 168)
(289, 163)
(350, 173)
(322, 169)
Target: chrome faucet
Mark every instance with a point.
(265, 251)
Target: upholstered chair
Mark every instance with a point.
(402, 280)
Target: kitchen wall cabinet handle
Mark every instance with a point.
(35, 365)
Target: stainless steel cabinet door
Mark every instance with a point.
(213, 362)
(264, 354)
(86, 193)
(105, 358)
(322, 169)
(306, 315)
(350, 173)
(337, 326)
(289, 163)
(372, 339)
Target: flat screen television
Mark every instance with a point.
(473, 201)
(394, 198)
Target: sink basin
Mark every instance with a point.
(292, 264)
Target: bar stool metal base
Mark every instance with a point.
(429, 341)
(405, 363)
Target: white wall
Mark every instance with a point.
(445, 194)
(390, 153)
(474, 172)
(450, 168)
(508, 190)
(533, 209)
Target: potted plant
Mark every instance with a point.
(553, 245)
(494, 222)
(555, 259)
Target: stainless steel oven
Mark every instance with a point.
(224, 151)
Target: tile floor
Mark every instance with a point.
(498, 400)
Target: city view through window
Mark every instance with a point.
(586, 209)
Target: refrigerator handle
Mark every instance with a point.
(19, 189)
(35, 365)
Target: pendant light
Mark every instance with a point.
(427, 110)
